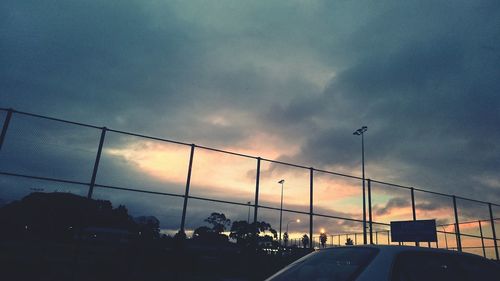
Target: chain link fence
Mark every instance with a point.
(181, 183)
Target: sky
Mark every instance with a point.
(284, 80)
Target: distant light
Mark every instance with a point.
(322, 230)
(281, 181)
(298, 220)
(26, 227)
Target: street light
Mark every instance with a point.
(248, 219)
(297, 221)
(281, 206)
(361, 132)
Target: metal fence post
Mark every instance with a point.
(257, 182)
(482, 238)
(96, 163)
(370, 209)
(364, 213)
(6, 123)
(311, 183)
(413, 210)
(188, 183)
(457, 226)
(492, 221)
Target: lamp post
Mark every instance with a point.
(361, 132)
(248, 219)
(297, 221)
(282, 182)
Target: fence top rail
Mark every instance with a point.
(470, 222)
(241, 154)
(285, 163)
(474, 200)
(54, 119)
(337, 174)
(146, 136)
(227, 152)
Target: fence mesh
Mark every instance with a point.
(151, 177)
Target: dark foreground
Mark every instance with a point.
(148, 260)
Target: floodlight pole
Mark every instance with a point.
(361, 132)
(248, 218)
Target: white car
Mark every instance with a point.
(392, 263)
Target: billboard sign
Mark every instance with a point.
(414, 231)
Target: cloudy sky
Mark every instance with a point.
(287, 80)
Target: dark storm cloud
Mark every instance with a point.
(423, 76)
(427, 90)
(101, 61)
(134, 65)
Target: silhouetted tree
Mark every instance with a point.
(322, 238)
(305, 240)
(242, 232)
(207, 234)
(60, 215)
(201, 231)
(349, 241)
(263, 227)
(246, 234)
(285, 238)
(147, 226)
(218, 221)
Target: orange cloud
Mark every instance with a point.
(223, 176)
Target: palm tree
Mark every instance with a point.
(305, 240)
(323, 237)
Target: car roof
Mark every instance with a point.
(395, 249)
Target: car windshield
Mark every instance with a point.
(339, 264)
